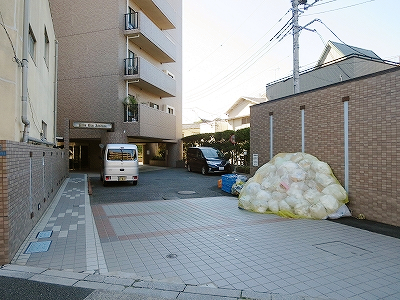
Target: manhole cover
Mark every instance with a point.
(171, 255)
(44, 234)
(186, 192)
(36, 247)
(342, 249)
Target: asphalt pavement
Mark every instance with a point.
(177, 236)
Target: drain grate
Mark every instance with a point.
(186, 192)
(36, 247)
(44, 234)
(342, 249)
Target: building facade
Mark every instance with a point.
(351, 125)
(239, 113)
(120, 76)
(31, 169)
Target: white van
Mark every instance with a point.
(119, 163)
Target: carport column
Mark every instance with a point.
(346, 142)
(302, 108)
(271, 135)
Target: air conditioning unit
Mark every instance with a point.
(169, 74)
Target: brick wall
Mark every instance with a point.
(374, 159)
(30, 176)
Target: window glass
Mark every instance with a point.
(46, 48)
(121, 154)
(212, 153)
(31, 44)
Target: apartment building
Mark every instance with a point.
(120, 76)
(31, 169)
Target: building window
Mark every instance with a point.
(154, 105)
(31, 44)
(46, 48)
(44, 131)
(245, 120)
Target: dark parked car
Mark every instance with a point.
(207, 160)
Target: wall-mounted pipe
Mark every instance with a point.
(55, 90)
(24, 115)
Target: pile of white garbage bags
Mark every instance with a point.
(295, 185)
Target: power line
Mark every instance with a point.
(339, 7)
(227, 39)
(251, 57)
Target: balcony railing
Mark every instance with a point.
(131, 113)
(147, 122)
(131, 21)
(148, 77)
(141, 31)
(131, 66)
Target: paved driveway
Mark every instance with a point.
(176, 245)
(157, 184)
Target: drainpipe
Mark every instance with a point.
(24, 115)
(55, 90)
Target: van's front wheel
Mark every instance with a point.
(204, 170)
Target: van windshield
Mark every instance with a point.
(212, 153)
(121, 154)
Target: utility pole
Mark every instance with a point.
(296, 33)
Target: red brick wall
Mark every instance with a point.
(374, 157)
(29, 175)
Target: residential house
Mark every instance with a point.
(120, 76)
(31, 169)
(337, 63)
(239, 113)
(190, 129)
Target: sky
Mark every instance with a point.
(230, 49)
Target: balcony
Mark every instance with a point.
(142, 32)
(144, 121)
(148, 77)
(159, 12)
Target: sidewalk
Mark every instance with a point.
(201, 248)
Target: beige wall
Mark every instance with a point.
(374, 159)
(41, 77)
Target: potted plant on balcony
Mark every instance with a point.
(131, 109)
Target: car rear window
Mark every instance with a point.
(121, 154)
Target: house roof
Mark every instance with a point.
(342, 50)
(252, 100)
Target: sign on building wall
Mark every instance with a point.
(92, 125)
(255, 160)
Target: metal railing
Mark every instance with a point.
(131, 113)
(131, 21)
(131, 66)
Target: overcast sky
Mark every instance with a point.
(228, 52)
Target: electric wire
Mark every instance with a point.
(215, 83)
(16, 59)
(227, 39)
